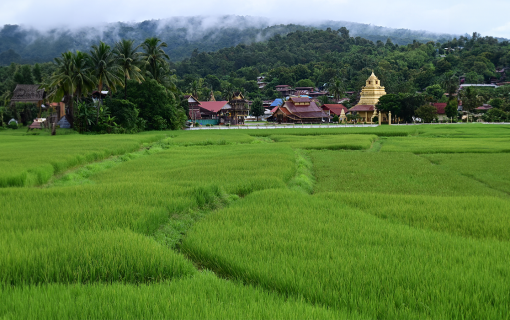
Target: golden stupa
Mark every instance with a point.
(371, 93)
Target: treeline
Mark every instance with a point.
(139, 88)
(329, 59)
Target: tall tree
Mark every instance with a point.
(61, 84)
(335, 88)
(154, 56)
(81, 75)
(37, 73)
(257, 108)
(450, 83)
(105, 69)
(129, 60)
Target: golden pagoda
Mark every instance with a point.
(370, 95)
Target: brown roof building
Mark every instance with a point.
(299, 109)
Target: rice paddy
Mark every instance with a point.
(392, 222)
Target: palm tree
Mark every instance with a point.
(164, 76)
(154, 55)
(129, 60)
(229, 92)
(61, 84)
(450, 83)
(335, 87)
(81, 75)
(194, 88)
(105, 70)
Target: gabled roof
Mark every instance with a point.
(27, 93)
(362, 108)
(213, 106)
(440, 106)
(335, 108)
(484, 107)
(307, 111)
(276, 103)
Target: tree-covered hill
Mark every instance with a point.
(320, 56)
(182, 34)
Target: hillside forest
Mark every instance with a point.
(138, 75)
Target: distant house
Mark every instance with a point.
(218, 112)
(299, 110)
(28, 93)
(285, 90)
(441, 113)
(484, 108)
(335, 109)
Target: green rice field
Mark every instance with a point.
(390, 222)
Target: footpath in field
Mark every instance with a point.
(360, 223)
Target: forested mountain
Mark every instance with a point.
(183, 35)
(320, 56)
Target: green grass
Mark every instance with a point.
(315, 223)
(33, 160)
(447, 145)
(391, 173)
(332, 254)
(490, 169)
(201, 297)
(331, 142)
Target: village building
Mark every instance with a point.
(369, 98)
(218, 112)
(335, 110)
(29, 93)
(441, 111)
(299, 110)
(285, 90)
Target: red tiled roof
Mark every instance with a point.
(213, 106)
(440, 106)
(484, 107)
(362, 108)
(282, 85)
(274, 109)
(335, 108)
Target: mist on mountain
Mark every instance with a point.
(183, 35)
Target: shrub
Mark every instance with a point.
(13, 125)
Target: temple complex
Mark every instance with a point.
(370, 95)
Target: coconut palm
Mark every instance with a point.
(164, 76)
(229, 92)
(154, 56)
(450, 83)
(104, 69)
(61, 84)
(335, 88)
(81, 75)
(129, 61)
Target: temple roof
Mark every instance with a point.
(362, 108)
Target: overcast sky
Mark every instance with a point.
(448, 16)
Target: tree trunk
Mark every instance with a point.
(125, 87)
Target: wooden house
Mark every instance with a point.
(299, 110)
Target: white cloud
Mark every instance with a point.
(449, 16)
